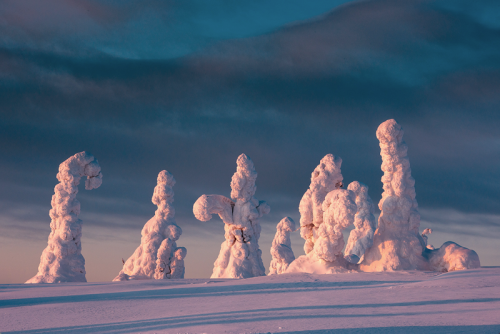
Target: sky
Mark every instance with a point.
(189, 85)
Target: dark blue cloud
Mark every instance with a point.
(286, 98)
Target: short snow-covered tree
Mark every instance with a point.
(240, 256)
(361, 237)
(326, 257)
(159, 236)
(281, 249)
(177, 264)
(325, 178)
(62, 260)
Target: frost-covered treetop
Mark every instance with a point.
(80, 164)
(286, 225)
(243, 181)
(327, 175)
(163, 196)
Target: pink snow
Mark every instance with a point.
(466, 301)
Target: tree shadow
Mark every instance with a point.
(208, 291)
(276, 314)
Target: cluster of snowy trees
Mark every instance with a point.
(326, 210)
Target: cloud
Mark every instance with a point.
(285, 94)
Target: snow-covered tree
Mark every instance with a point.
(326, 257)
(361, 237)
(281, 249)
(159, 236)
(397, 244)
(325, 178)
(62, 260)
(240, 256)
(177, 264)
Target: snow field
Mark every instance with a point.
(466, 301)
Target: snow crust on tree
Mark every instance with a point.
(326, 257)
(397, 244)
(325, 178)
(451, 256)
(425, 237)
(62, 260)
(361, 237)
(281, 248)
(240, 256)
(153, 257)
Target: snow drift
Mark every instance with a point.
(281, 249)
(325, 178)
(360, 238)
(153, 258)
(240, 256)
(62, 259)
(451, 256)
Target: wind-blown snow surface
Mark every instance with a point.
(464, 301)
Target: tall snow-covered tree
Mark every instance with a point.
(62, 259)
(397, 244)
(159, 236)
(240, 256)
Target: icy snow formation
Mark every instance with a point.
(326, 257)
(281, 249)
(62, 260)
(152, 259)
(397, 244)
(240, 256)
(451, 256)
(325, 178)
(425, 237)
(360, 238)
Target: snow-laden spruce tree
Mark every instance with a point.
(240, 256)
(281, 249)
(397, 244)
(326, 257)
(62, 260)
(325, 178)
(159, 236)
(361, 237)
